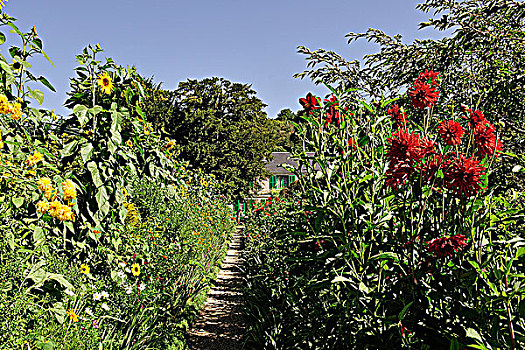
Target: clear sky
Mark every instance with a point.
(247, 41)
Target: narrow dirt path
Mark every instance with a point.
(221, 325)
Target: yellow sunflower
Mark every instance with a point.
(105, 83)
(135, 269)
(84, 269)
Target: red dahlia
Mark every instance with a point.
(447, 246)
(423, 95)
(463, 176)
(474, 118)
(332, 114)
(450, 132)
(428, 76)
(404, 146)
(398, 174)
(486, 141)
(309, 103)
(399, 117)
(427, 147)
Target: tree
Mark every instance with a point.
(283, 130)
(221, 128)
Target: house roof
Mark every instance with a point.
(279, 158)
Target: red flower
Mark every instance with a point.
(447, 246)
(474, 118)
(399, 117)
(422, 94)
(486, 141)
(398, 174)
(309, 103)
(427, 147)
(352, 143)
(404, 146)
(463, 176)
(450, 132)
(332, 114)
(429, 77)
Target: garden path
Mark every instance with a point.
(221, 325)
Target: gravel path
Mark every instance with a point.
(221, 325)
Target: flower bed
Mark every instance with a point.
(108, 240)
(394, 236)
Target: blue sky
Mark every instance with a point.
(248, 41)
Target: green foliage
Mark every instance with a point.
(221, 128)
(283, 131)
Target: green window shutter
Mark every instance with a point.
(273, 182)
(291, 178)
(238, 206)
(250, 183)
(284, 181)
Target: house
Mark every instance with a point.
(280, 179)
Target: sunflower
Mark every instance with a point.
(84, 269)
(105, 83)
(135, 269)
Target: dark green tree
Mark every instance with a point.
(219, 127)
(283, 130)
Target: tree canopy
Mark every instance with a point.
(219, 126)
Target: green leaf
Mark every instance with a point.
(70, 148)
(404, 311)
(95, 174)
(472, 333)
(60, 312)
(47, 84)
(6, 68)
(37, 95)
(102, 198)
(340, 279)
(86, 152)
(18, 201)
(454, 345)
(2, 38)
(38, 235)
(81, 112)
(47, 58)
(95, 110)
(60, 279)
(10, 240)
(15, 28)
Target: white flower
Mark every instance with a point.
(69, 292)
(97, 296)
(129, 290)
(104, 294)
(127, 270)
(122, 264)
(105, 306)
(89, 312)
(121, 275)
(141, 287)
